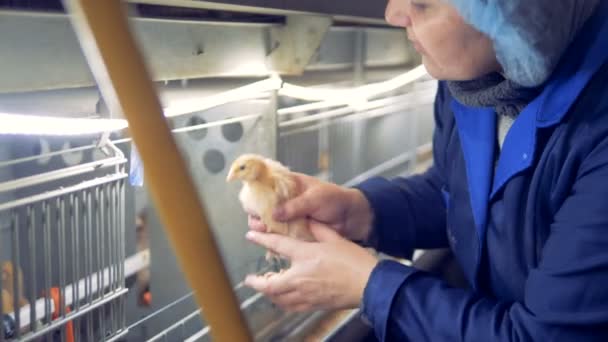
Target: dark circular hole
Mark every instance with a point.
(233, 132)
(198, 134)
(214, 161)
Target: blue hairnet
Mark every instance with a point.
(529, 36)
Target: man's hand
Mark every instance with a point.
(345, 210)
(329, 274)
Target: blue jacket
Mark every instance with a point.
(531, 234)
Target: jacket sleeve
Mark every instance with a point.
(566, 296)
(410, 212)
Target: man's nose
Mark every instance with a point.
(397, 13)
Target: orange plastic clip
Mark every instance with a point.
(69, 327)
(147, 298)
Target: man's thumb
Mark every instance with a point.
(298, 207)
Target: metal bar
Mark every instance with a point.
(97, 246)
(197, 336)
(379, 169)
(244, 306)
(74, 316)
(17, 281)
(174, 326)
(269, 127)
(103, 31)
(394, 109)
(46, 234)
(51, 15)
(114, 259)
(362, 17)
(316, 117)
(73, 242)
(340, 103)
(62, 191)
(123, 252)
(89, 326)
(120, 335)
(61, 226)
(119, 248)
(60, 174)
(310, 107)
(31, 223)
(89, 262)
(77, 329)
(410, 99)
(220, 7)
(114, 269)
(46, 155)
(161, 310)
(76, 232)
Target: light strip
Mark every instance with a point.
(248, 92)
(45, 125)
(19, 124)
(358, 93)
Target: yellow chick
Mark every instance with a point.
(7, 302)
(8, 276)
(267, 183)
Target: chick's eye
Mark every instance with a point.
(242, 167)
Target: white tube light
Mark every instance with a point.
(356, 98)
(46, 125)
(358, 95)
(19, 124)
(250, 91)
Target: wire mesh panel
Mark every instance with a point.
(350, 142)
(63, 265)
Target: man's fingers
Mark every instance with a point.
(297, 207)
(274, 285)
(282, 245)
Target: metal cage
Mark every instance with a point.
(65, 256)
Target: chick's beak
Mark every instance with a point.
(231, 176)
